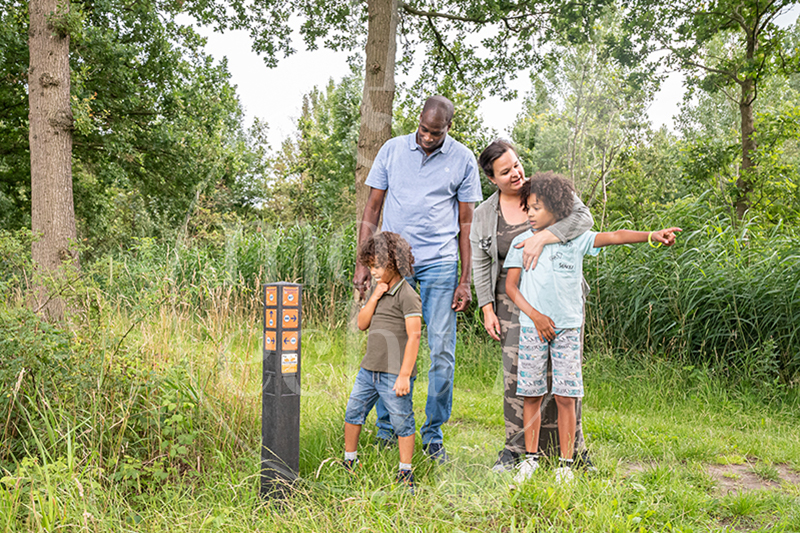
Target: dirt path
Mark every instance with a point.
(736, 478)
(748, 476)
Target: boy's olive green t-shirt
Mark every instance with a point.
(387, 338)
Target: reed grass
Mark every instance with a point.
(726, 295)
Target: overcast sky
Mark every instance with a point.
(275, 95)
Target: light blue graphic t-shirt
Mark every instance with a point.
(554, 287)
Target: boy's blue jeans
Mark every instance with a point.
(437, 284)
(368, 388)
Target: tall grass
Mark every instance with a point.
(197, 273)
(644, 439)
(726, 295)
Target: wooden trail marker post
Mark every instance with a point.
(280, 404)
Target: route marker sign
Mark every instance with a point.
(280, 404)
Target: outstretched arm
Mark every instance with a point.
(545, 326)
(625, 236)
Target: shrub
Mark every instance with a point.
(723, 293)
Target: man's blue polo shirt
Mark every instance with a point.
(422, 194)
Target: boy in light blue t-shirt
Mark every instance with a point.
(550, 298)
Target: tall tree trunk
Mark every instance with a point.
(376, 103)
(744, 183)
(376, 115)
(50, 136)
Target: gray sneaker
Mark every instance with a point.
(507, 460)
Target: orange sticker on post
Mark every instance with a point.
(269, 341)
(272, 295)
(272, 318)
(288, 363)
(291, 318)
(291, 296)
(290, 340)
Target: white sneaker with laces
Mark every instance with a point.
(526, 469)
(564, 475)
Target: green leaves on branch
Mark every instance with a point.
(68, 20)
(586, 110)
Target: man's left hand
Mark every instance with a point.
(462, 297)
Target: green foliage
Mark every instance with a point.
(443, 33)
(15, 260)
(778, 163)
(157, 123)
(15, 159)
(729, 48)
(690, 30)
(586, 110)
(723, 296)
(165, 128)
(312, 176)
(646, 177)
(710, 149)
(34, 357)
(68, 20)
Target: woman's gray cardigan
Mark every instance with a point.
(483, 237)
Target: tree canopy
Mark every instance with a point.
(157, 121)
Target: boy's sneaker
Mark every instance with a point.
(351, 464)
(584, 462)
(526, 468)
(405, 477)
(436, 451)
(564, 472)
(506, 461)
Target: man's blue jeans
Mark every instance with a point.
(437, 284)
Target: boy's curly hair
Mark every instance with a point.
(553, 190)
(387, 249)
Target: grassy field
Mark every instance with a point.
(678, 449)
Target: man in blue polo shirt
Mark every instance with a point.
(426, 183)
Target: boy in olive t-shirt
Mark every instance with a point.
(392, 313)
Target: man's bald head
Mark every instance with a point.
(440, 107)
(434, 122)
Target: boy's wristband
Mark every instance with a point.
(650, 241)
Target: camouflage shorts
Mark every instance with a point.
(563, 354)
